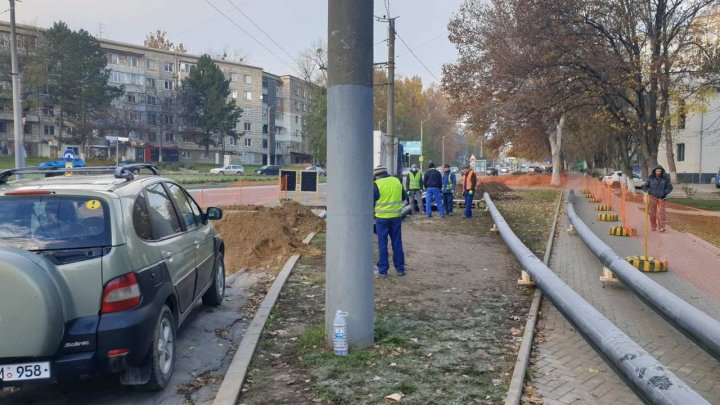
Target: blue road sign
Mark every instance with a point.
(69, 155)
(411, 147)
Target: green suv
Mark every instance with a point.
(98, 269)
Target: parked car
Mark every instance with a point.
(229, 169)
(268, 170)
(491, 171)
(504, 170)
(317, 169)
(615, 176)
(103, 269)
(60, 163)
(717, 180)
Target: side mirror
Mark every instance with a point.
(214, 213)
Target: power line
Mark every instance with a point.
(416, 57)
(261, 30)
(426, 43)
(251, 36)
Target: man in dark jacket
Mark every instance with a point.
(433, 183)
(656, 188)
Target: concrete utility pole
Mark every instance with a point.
(349, 264)
(17, 104)
(390, 136)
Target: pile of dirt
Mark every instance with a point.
(492, 187)
(263, 238)
(522, 180)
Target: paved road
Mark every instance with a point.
(568, 371)
(205, 344)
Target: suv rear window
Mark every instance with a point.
(43, 222)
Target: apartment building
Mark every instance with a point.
(147, 120)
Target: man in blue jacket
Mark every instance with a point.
(433, 183)
(389, 198)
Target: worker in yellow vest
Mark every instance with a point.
(414, 185)
(389, 199)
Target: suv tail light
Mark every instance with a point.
(121, 293)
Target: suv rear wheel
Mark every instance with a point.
(162, 355)
(215, 294)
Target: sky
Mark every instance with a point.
(293, 25)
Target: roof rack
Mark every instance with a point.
(126, 172)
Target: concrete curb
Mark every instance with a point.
(515, 391)
(235, 375)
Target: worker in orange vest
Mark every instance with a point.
(469, 184)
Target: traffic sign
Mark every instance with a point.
(69, 155)
(473, 161)
(421, 158)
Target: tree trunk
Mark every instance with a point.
(669, 153)
(555, 138)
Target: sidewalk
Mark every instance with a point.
(567, 369)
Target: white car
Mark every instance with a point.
(610, 178)
(318, 169)
(229, 169)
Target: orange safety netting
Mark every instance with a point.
(687, 238)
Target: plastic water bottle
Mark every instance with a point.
(340, 329)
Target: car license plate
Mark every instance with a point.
(24, 371)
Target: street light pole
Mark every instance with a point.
(443, 150)
(17, 105)
(421, 145)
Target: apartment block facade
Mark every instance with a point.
(147, 121)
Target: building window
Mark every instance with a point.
(184, 154)
(151, 64)
(247, 126)
(247, 142)
(186, 67)
(151, 100)
(113, 59)
(303, 93)
(150, 83)
(152, 118)
(27, 129)
(168, 85)
(297, 106)
(168, 66)
(48, 110)
(132, 61)
(265, 143)
(152, 136)
(681, 115)
(277, 146)
(234, 94)
(233, 77)
(248, 95)
(680, 152)
(168, 119)
(169, 137)
(248, 79)
(232, 141)
(49, 130)
(3, 127)
(131, 98)
(297, 118)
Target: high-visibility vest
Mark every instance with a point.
(390, 203)
(468, 180)
(449, 186)
(414, 180)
